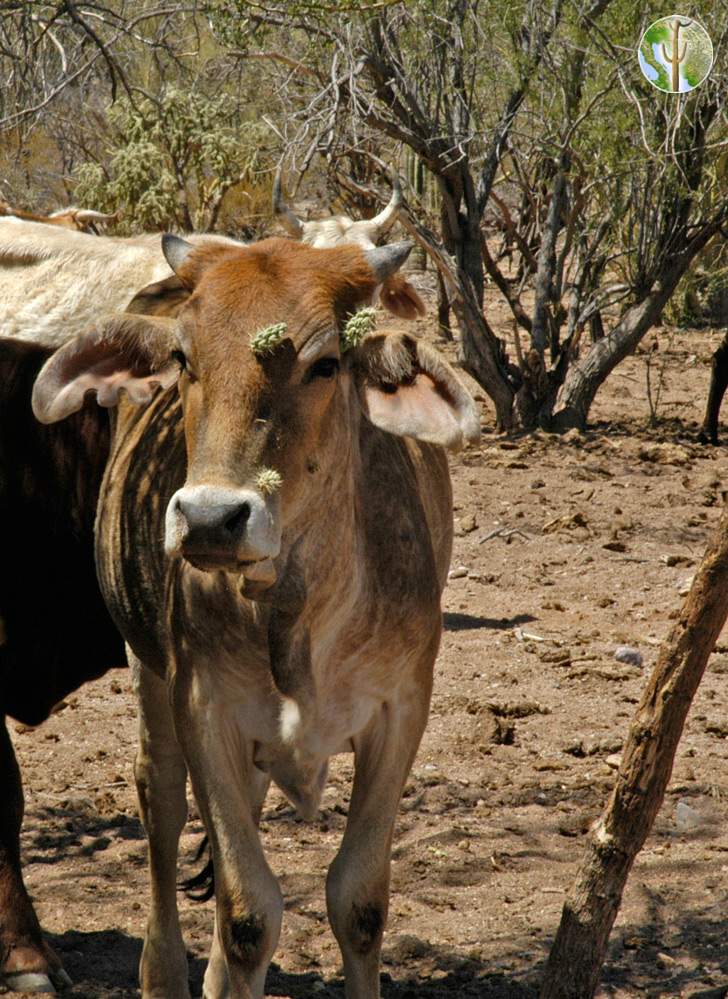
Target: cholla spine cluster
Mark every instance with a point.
(357, 327)
(268, 481)
(266, 340)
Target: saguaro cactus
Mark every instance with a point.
(675, 57)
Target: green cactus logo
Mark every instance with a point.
(675, 54)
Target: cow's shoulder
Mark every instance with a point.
(406, 506)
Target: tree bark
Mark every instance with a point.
(588, 915)
(481, 351)
(480, 356)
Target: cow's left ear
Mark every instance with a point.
(400, 298)
(407, 389)
(124, 352)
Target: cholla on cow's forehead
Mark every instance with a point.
(268, 338)
(357, 327)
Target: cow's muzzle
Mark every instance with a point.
(220, 528)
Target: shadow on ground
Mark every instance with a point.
(103, 965)
(470, 622)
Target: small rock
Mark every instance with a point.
(666, 961)
(460, 572)
(560, 657)
(615, 546)
(626, 654)
(614, 761)
(687, 818)
(683, 585)
(80, 806)
(404, 947)
(538, 484)
(467, 524)
(672, 560)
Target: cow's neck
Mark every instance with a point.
(321, 541)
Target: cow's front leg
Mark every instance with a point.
(217, 979)
(27, 963)
(161, 779)
(229, 789)
(357, 887)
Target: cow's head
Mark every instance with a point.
(396, 293)
(271, 404)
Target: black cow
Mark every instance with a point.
(55, 631)
(718, 385)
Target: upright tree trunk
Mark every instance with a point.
(480, 356)
(577, 955)
(586, 376)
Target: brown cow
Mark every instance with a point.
(273, 538)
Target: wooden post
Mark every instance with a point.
(576, 958)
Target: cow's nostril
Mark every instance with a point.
(238, 519)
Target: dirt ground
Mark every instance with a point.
(566, 548)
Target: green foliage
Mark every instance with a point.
(172, 161)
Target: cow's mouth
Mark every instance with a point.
(260, 572)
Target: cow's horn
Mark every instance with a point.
(89, 215)
(288, 220)
(387, 260)
(175, 250)
(388, 215)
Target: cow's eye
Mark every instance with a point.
(325, 367)
(179, 357)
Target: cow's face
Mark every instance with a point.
(261, 387)
(269, 402)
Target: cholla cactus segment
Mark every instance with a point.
(268, 481)
(357, 327)
(266, 340)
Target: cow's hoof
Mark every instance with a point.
(36, 981)
(28, 981)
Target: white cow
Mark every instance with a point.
(54, 282)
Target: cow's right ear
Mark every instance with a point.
(125, 353)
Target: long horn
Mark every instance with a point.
(388, 215)
(286, 217)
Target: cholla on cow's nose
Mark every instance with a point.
(222, 527)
